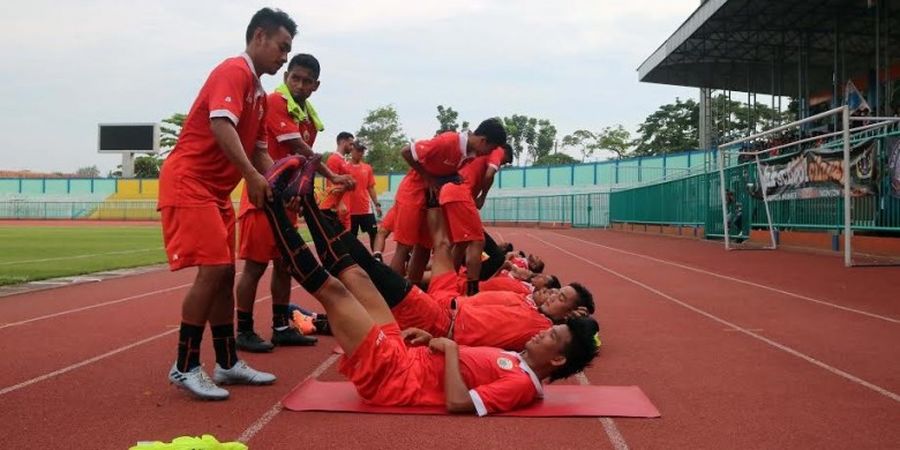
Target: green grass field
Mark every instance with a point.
(29, 253)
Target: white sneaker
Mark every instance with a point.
(241, 373)
(197, 382)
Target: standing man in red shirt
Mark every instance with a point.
(364, 196)
(335, 203)
(461, 203)
(223, 140)
(431, 160)
(292, 125)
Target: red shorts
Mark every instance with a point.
(421, 310)
(411, 226)
(389, 220)
(256, 241)
(198, 235)
(444, 287)
(386, 372)
(463, 221)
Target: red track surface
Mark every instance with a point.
(738, 350)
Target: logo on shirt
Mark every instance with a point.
(380, 338)
(227, 99)
(282, 124)
(504, 363)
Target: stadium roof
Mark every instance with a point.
(755, 45)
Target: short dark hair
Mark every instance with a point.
(492, 130)
(538, 267)
(554, 282)
(585, 298)
(306, 61)
(509, 247)
(270, 20)
(581, 349)
(507, 152)
(343, 135)
(357, 145)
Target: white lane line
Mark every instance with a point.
(98, 305)
(267, 417)
(810, 359)
(609, 426)
(89, 255)
(72, 367)
(737, 280)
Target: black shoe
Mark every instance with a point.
(321, 324)
(249, 341)
(291, 336)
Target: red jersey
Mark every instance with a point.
(281, 127)
(386, 372)
(197, 172)
(358, 201)
(506, 283)
(477, 318)
(339, 166)
(472, 173)
(440, 156)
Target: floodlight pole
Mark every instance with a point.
(845, 113)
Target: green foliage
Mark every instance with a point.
(582, 140)
(555, 159)
(615, 139)
(672, 128)
(383, 134)
(88, 172)
(147, 166)
(447, 118)
(529, 137)
(169, 129)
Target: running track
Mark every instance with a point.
(738, 350)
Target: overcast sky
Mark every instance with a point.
(67, 66)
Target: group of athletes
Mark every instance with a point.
(455, 318)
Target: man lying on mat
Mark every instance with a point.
(386, 372)
(507, 320)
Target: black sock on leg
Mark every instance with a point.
(280, 316)
(189, 337)
(223, 343)
(471, 287)
(327, 235)
(244, 321)
(298, 259)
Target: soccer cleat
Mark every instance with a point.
(249, 341)
(291, 336)
(197, 382)
(241, 373)
(281, 173)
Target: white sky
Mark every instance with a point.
(67, 66)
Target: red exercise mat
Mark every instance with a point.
(559, 401)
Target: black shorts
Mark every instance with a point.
(364, 222)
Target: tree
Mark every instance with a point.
(614, 139)
(447, 118)
(382, 132)
(147, 166)
(555, 159)
(169, 131)
(516, 126)
(672, 128)
(87, 172)
(582, 140)
(546, 136)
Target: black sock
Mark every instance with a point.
(392, 286)
(189, 337)
(471, 287)
(244, 321)
(298, 260)
(495, 260)
(327, 234)
(223, 343)
(280, 316)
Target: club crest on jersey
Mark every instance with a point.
(504, 363)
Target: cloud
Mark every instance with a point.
(69, 66)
